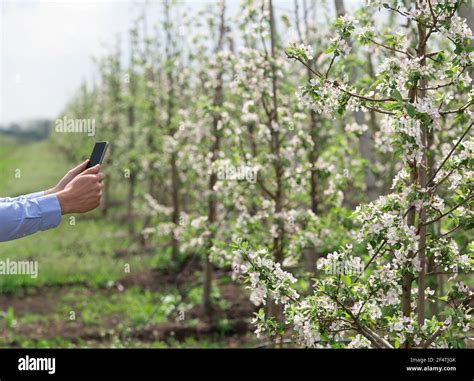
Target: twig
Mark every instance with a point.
(449, 154)
(391, 48)
(449, 211)
(445, 234)
(461, 109)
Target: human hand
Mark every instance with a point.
(68, 177)
(83, 193)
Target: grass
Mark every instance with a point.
(137, 307)
(28, 168)
(83, 253)
(81, 250)
(80, 266)
(82, 317)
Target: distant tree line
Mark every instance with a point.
(28, 131)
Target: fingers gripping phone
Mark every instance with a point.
(98, 154)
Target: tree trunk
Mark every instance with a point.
(310, 253)
(131, 141)
(275, 146)
(418, 176)
(212, 200)
(151, 123)
(278, 241)
(467, 11)
(132, 178)
(422, 173)
(175, 185)
(175, 197)
(366, 144)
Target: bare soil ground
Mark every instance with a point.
(42, 301)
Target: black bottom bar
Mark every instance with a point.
(138, 364)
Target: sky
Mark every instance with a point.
(47, 49)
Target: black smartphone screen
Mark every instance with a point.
(98, 154)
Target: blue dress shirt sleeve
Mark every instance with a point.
(25, 215)
(26, 196)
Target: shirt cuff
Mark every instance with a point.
(50, 211)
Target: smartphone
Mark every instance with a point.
(98, 154)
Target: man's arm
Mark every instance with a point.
(22, 198)
(25, 216)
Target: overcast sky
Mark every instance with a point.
(47, 49)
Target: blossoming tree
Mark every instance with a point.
(374, 293)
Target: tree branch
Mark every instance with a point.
(450, 153)
(391, 48)
(449, 211)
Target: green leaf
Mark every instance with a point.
(376, 83)
(286, 20)
(347, 280)
(396, 94)
(411, 110)
(392, 105)
(330, 49)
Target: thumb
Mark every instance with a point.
(79, 169)
(92, 171)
